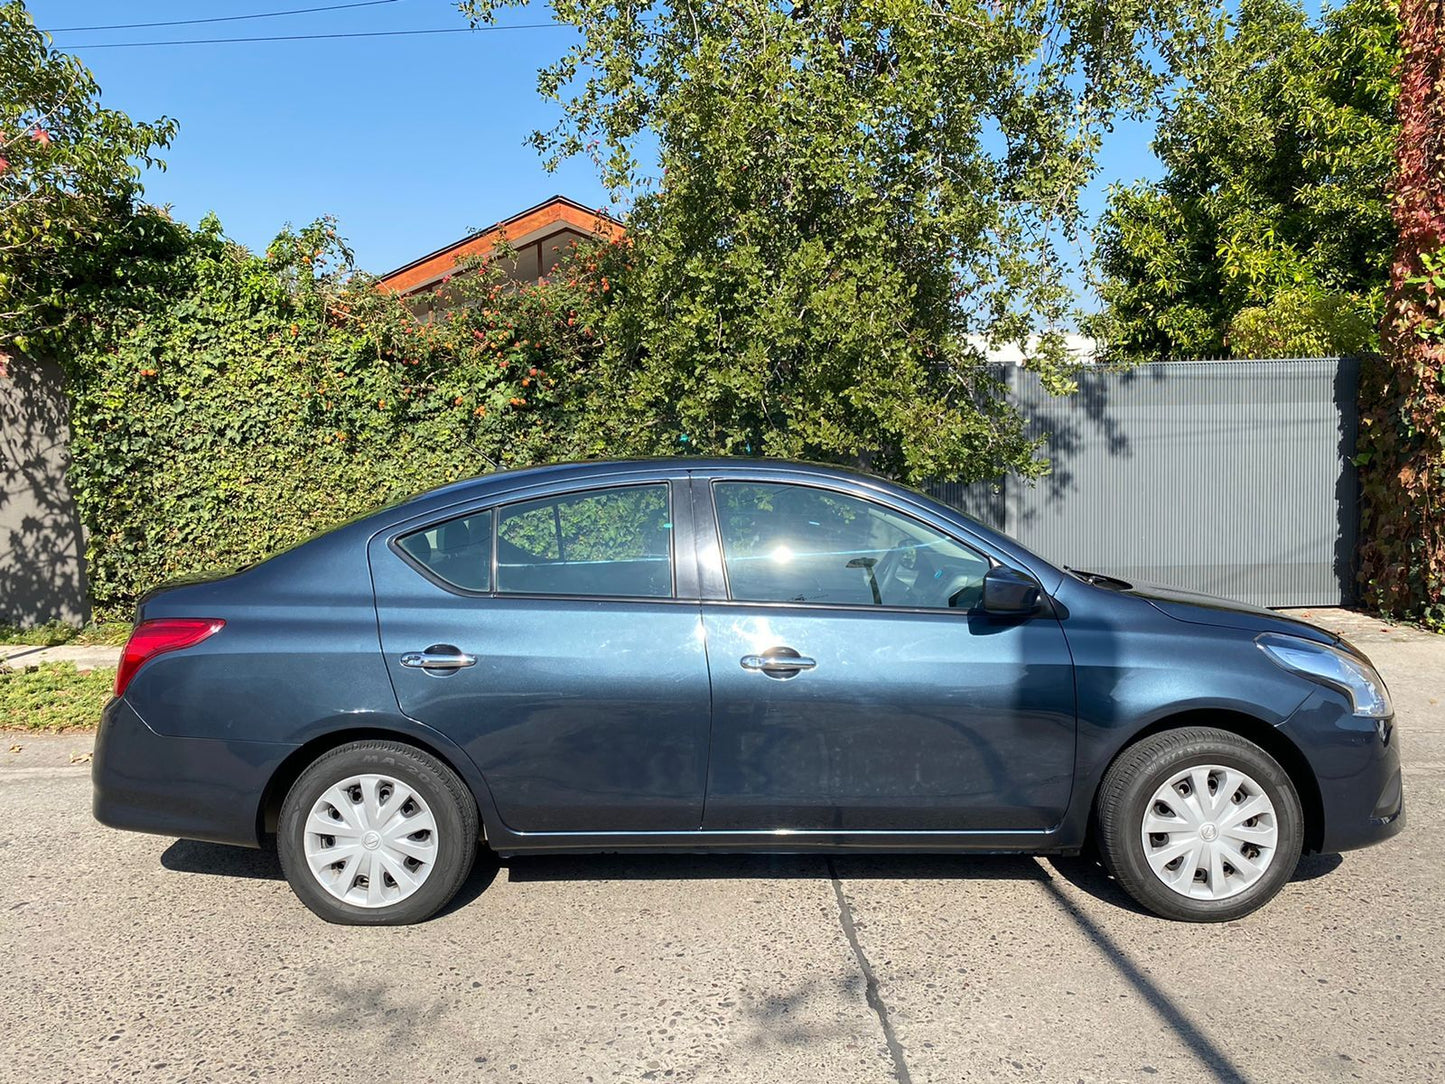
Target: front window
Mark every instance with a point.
(791, 543)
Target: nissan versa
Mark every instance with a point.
(730, 655)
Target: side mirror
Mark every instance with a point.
(1009, 591)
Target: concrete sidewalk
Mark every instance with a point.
(95, 657)
(1360, 628)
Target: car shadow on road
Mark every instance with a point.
(1085, 874)
(220, 860)
(1089, 876)
(1313, 866)
(192, 856)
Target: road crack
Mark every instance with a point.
(875, 999)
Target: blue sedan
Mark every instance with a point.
(735, 655)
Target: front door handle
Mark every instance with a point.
(443, 657)
(778, 662)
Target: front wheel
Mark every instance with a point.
(1199, 824)
(377, 833)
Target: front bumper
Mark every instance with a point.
(193, 788)
(1356, 763)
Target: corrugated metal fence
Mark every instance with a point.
(1231, 477)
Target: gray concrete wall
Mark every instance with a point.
(1230, 477)
(42, 548)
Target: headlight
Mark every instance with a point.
(1331, 666)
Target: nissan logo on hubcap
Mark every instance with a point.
(371, 841)
(1208, 832)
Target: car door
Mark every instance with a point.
(856, 685)
(545, 636)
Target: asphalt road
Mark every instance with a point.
(129, 956)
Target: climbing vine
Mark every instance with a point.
(1402, 438)
(240, 402)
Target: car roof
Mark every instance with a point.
(520, 477)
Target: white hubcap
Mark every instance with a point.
(1209, 832)
(370, 841)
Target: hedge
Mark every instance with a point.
(237, 403)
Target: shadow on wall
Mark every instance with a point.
(1347, 488)
(1067, 426)
(42, 570)
(1082, 420)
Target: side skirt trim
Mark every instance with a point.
(1045, 841)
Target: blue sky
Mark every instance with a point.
(411, 142)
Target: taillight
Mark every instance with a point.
(152, 638)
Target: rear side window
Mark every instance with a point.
(610, 543)
(458, 551)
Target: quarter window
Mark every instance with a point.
(790, 543)
(611, 543)
(458, 551)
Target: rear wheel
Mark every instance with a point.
(377, 833)
(1199, 824)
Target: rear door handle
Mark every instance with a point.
(438, 657)
(778, 662)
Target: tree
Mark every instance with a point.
(1270, 229)
(850, 195)
(1402, 397)
(69, 179)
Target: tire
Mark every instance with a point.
(393, 810)
(1258, 826)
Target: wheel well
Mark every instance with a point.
(1267, 738)
(290, 769)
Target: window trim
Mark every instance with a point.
(832, 607)
(496, 510)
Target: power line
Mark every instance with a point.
(310, 37)
(223, 18)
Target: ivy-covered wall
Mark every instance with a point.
(237, 403)
(1402, 435)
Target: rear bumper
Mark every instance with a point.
(193, 788)
(1356, 763)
